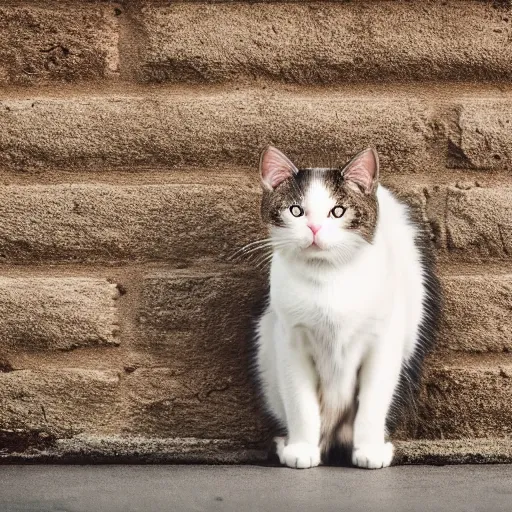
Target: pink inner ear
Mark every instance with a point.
(363, 170)
(275, 167)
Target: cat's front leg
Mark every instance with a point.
(298, 382)
(377, 382)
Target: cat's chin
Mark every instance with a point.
(314, 248)
(317, 256)
(314, 251)
(314, 255)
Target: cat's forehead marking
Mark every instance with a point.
(318, 197)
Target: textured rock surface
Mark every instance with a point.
(481, 138)
(479, 221)
(190, 322)
(464, 451)
(328, 42)
(207, 129)
(58, 403)
(478, 313)
(100, 222)
(56, 314)
(454, 389)
(42, 448)
(39, 44)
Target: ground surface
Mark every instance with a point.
(486, 488)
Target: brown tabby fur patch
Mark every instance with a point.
(337, 424)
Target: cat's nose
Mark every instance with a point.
(315, 228)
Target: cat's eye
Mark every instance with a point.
(338, 211)
(296, 210)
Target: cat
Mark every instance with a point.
(354, 306)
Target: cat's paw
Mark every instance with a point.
(300, 455)
(373, 455)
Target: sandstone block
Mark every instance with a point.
(464, 398)
(168, 404)
(325, 43)
(56, 313)
(198, 326)
(139, 450)
(85, 448)
(477, 313)
(101, 222)
(482, 138)
(210, 130)
(478, 222)
(44, 44)
(60, 402)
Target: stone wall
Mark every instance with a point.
(129, 139)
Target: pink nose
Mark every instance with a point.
(315, 228)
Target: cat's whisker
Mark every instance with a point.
(251, 244)
(254, 242)
(254, 250)
(261, 245)
(262, 262)
(247, 249)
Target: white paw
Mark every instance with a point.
(373, 455)
(299, 455)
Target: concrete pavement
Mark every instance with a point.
(485, 488)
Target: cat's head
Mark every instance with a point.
(320, 214)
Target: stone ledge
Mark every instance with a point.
(464, 451)
(139, 450)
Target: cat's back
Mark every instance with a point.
(399, 237)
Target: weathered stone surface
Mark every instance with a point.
(465, 398)
(203, 403)
(59, 402)
(198, 326)
(477, 313)
(478, 222)
(56, 313)
(44, 44)
(482, 139)
(327, 42)
(210, 129)
(133, 450)
(211, 305)
(113, 223)
(449, 451)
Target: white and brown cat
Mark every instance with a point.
(354, 306)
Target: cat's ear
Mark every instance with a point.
(362, 172)
(275, 168)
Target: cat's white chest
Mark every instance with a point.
(334, 307)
